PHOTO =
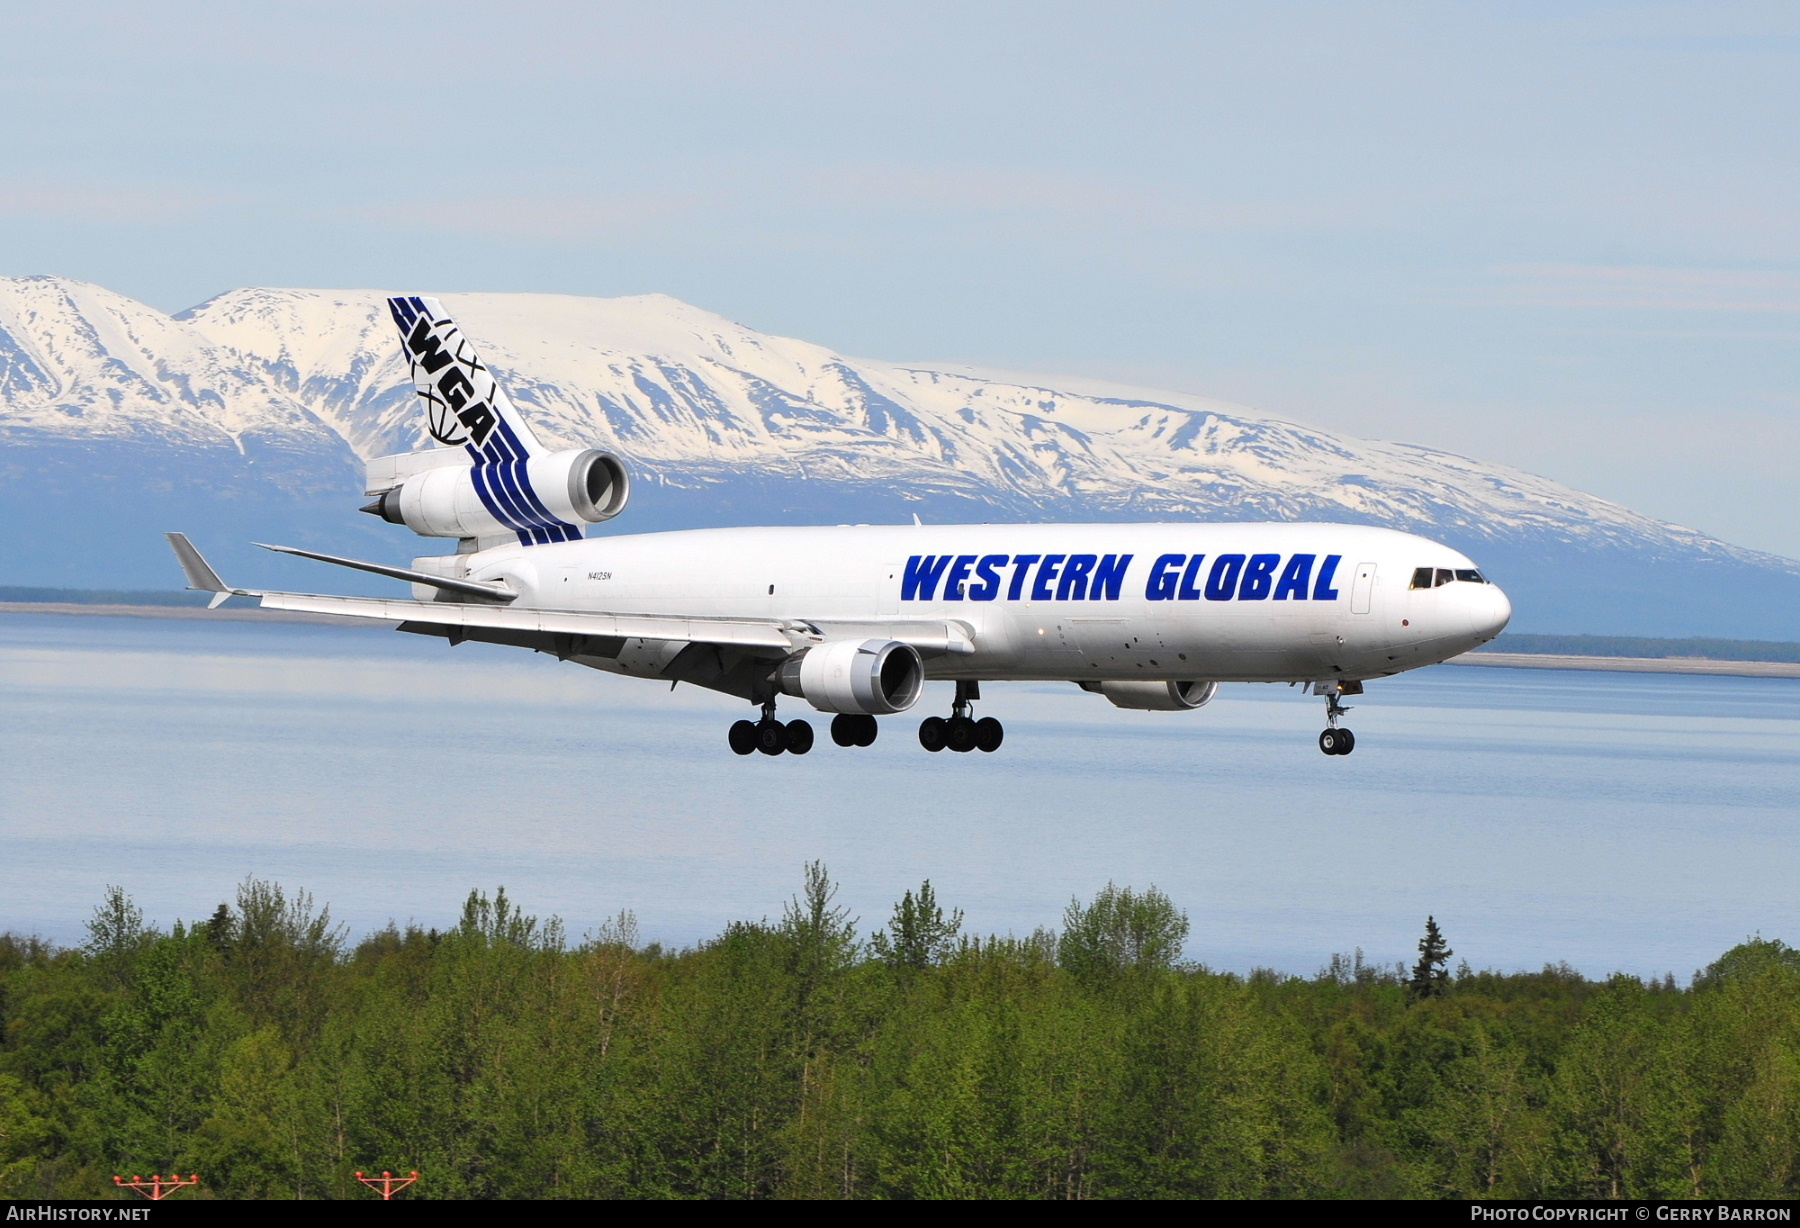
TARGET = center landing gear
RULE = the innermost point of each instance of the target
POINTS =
(962, 732)
(1335, 741)
(770, 736)
(851, 729)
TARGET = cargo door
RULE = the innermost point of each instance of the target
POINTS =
(1364, 591)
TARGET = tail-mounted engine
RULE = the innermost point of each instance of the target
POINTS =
(1155, 696)
(866, 677)
(541, 498)
(493, 477)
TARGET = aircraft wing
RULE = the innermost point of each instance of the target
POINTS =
(739, 633)
(781, 635)
(510, 624)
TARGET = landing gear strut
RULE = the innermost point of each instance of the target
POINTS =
(962, 732)
(1335, 741)
(770, 736)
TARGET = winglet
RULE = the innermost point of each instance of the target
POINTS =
(200, 575)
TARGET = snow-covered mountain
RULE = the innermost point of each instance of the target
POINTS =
(251, 411)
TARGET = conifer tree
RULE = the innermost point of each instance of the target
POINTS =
(919, 935)
(1431, 976)
(221, 927)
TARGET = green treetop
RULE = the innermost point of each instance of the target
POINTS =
(1431, 975)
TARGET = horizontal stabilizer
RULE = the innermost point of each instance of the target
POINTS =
(472, 588)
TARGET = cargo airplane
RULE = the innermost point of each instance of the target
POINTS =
(853, 620)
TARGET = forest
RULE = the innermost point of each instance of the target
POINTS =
(811, 1056)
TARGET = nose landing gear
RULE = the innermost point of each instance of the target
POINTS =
(1336, 741)
(770, 736)
(962, 733)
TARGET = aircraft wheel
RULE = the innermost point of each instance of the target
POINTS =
(959, 734)
(743, 737)
(932, 733)
(845, 730)
(1335, 741)
(989, 733)
(1349, 740)
(799, 737)
(867, 727)
(771, 736)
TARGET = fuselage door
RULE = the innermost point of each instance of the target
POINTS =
(1364, 592)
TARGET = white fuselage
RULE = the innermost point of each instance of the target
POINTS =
(1266, 603)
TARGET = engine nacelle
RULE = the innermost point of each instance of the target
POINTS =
(868, 677)
(566, 487)
(1155, 696)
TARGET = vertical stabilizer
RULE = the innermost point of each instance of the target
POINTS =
(464, 406)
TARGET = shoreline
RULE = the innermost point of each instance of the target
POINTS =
(1631, 665)
(235, 614)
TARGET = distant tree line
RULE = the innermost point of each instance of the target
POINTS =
(804, 1058)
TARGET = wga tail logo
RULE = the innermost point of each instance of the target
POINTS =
(459, 407)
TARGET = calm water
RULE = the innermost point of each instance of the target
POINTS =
(1642, 823)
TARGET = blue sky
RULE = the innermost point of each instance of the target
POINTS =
(1561, 236)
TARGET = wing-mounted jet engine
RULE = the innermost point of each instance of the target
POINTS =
(857, 677)
(491, 480)
(1155, 696)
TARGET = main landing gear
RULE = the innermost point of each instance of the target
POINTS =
(1335, 741)
(770, 736)
(962, 733)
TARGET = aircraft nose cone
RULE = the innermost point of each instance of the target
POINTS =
(1496, 612)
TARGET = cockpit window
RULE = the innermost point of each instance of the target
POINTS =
(1437, 577)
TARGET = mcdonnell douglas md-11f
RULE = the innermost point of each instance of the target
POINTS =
(854, 619)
